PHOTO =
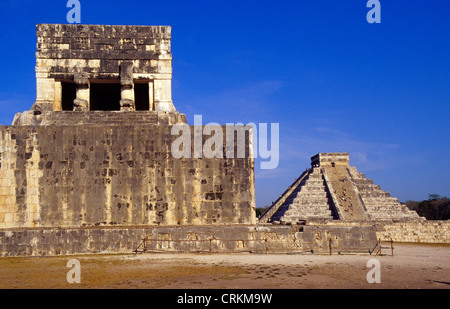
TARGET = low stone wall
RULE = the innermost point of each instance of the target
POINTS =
(230, 239)
(429, 231)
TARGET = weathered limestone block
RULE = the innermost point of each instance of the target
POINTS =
(420, 231)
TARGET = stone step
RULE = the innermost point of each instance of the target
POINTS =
(300, 200)
(381, 216)
(391, 214)
(318, 188)
(392, 209)
(308, 211)
(308, 207)
(310, 203)
(295, 219)
(368, 187)
(384, 202)
(371, 205)
(374, 194)
(389, 209)
(381, 199)
(311, 194)
(307, 214)
(322, 196)
(315, 177)
(314, 182)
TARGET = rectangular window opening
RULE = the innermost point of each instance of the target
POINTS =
(68, 94)
(141, 99)
(104, 97)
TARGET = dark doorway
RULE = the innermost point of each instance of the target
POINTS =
(141, 99)
(104, 97)
(68, 94)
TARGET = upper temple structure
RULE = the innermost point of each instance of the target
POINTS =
(101, 68)
(89, 68)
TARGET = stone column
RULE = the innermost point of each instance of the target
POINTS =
(58, 97)
(81, 102)
(163, 95)
(126, 91)
(44, 89)
(151, 103)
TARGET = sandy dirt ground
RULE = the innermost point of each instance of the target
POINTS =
(412, 266)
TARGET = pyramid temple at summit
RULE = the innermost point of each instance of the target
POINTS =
(333, 190)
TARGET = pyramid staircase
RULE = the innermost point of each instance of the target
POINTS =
(309, 200)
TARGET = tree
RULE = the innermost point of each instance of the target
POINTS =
(261, 210)
(434, 197)
(435, 208)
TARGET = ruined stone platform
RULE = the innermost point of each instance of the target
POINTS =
(257, 239)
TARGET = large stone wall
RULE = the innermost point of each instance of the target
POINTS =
(429, 231)
(116, 174)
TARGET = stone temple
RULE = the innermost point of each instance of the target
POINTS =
(333, 190)
(90, 169)
(95, 148)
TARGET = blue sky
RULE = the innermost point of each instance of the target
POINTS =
(330, 79)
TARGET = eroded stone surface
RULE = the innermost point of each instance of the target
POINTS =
(116, 174)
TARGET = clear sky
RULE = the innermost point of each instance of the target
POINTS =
(330, 79)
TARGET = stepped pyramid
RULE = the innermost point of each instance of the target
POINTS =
(333, 190)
